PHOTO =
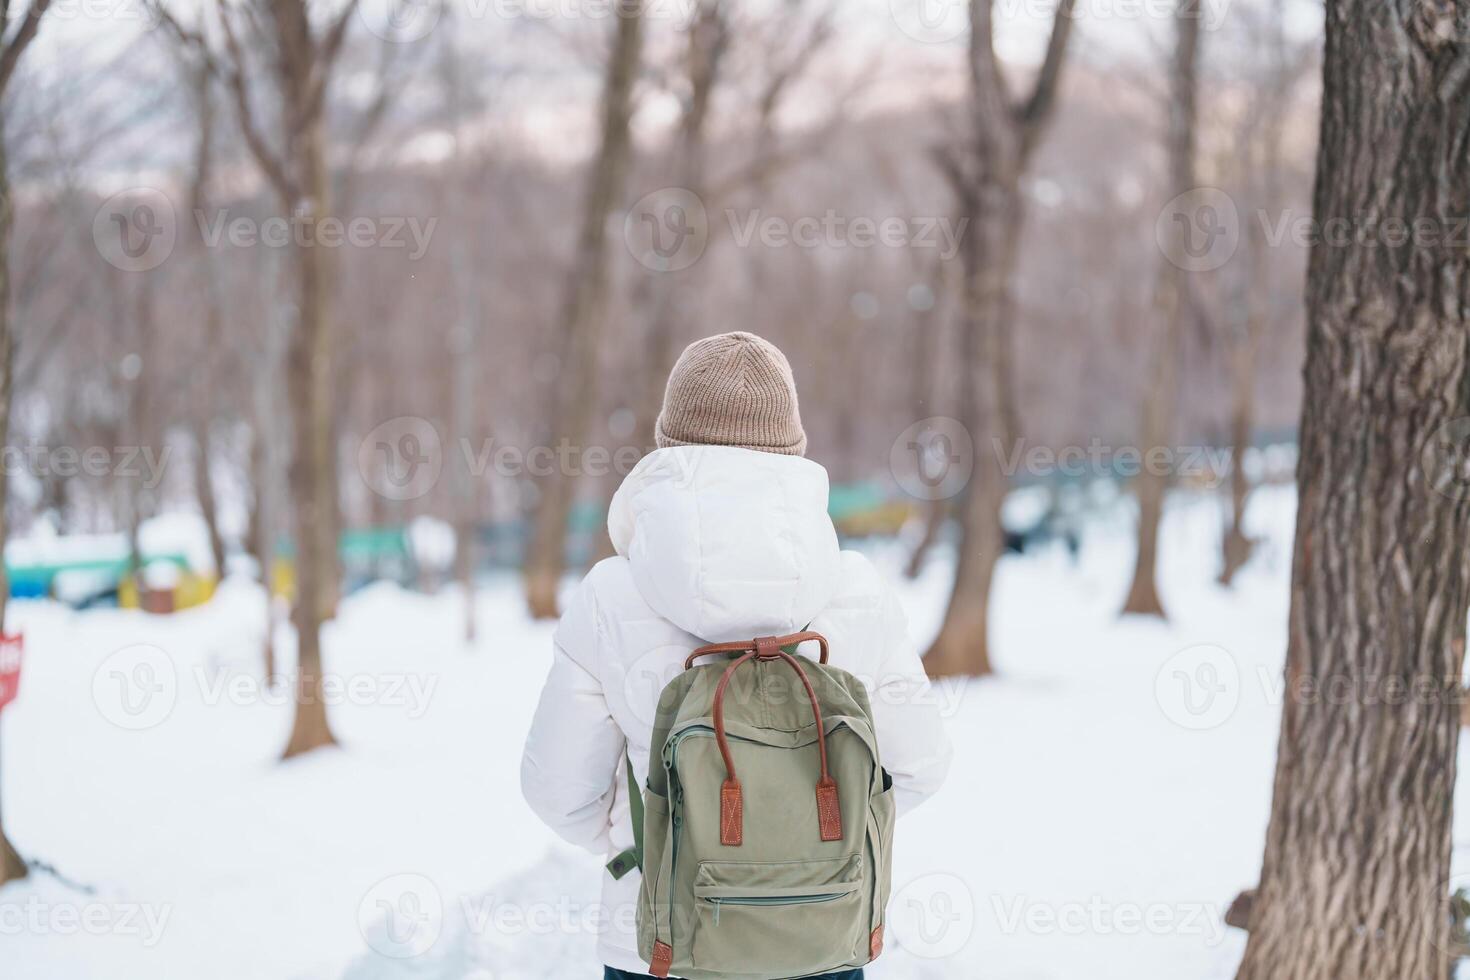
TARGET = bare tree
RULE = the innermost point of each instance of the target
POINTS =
(302, 56)
(1261, 157)
(1173, 305)
(708, 40)
(929, 357)
(16, 38)
(268, 435)
(1354, 883)
(201, 82)
(984, 170)
(583, 315)
(464, 344)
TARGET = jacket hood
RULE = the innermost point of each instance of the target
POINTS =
(726, 543)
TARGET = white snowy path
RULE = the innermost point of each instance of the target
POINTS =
(1087, 829)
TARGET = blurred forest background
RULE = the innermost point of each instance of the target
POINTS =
(499, 159)
(368, 305)
(390, 289)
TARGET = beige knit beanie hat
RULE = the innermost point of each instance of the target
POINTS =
(732, 389)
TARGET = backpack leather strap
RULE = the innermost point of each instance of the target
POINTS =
(732, 803)
(787, 643)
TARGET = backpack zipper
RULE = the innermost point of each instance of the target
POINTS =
(758, 900)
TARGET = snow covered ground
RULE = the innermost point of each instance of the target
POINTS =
(1109, 795)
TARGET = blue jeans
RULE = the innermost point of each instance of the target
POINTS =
(608, 973)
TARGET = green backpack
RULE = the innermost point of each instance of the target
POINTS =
(765, 832)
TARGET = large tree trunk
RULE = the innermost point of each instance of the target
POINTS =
(1357, 861)
(583, 317)
(985, 176)
(963, 643)
(1172, 307)
(11, 865)
(309, 365)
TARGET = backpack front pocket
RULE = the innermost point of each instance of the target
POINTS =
(786, 919)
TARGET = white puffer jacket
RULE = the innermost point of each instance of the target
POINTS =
(713, 544)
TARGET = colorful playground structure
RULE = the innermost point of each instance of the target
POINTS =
(173, 569)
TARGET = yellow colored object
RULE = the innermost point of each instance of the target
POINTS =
(192, 590)
(283, 579)
(884, 519)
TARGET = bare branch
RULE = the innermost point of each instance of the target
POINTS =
(188, 38)
(20, 40)
(325, 56)
(331, 43)
(274, 171)
(1037, 107)
(204, 149)
(781, 79)
(951, 163)
(369, 121)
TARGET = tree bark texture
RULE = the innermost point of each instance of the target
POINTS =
(1355, 879)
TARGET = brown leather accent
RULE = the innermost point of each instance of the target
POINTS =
(732, 805)
(749, 646)
(663, 958)
(875, 944)
(829, 810)
(719, 716)
(732, 814)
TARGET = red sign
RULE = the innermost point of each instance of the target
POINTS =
(11, 647)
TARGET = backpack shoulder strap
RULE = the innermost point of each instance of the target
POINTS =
(633, 856)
